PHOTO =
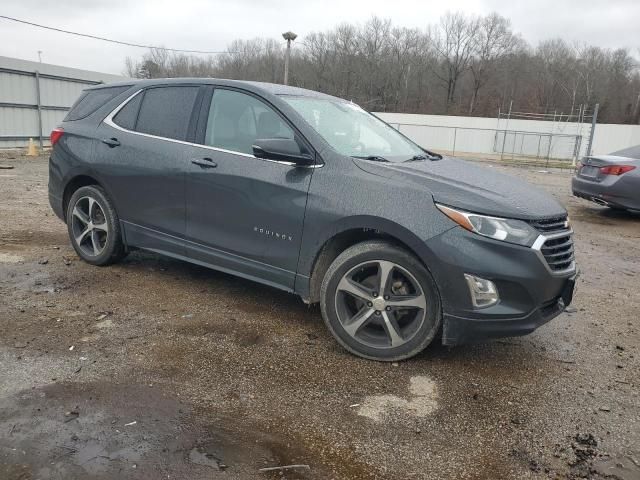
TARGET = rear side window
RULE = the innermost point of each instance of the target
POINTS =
(91, 100)
(166, 111)
(127, 116)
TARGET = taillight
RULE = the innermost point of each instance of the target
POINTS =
(56, 134)
(616, 169)
(578, 166)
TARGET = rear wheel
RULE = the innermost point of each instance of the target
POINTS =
(380, 302)
(94, 228)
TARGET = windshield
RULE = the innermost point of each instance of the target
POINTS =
(352, 131)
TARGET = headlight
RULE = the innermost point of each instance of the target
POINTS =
(505, 229)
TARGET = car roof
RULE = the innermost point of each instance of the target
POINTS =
(257, 87)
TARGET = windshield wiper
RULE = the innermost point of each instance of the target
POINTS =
(375, 158)
(428, 156)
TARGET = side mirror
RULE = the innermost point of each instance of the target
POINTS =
(281, 149)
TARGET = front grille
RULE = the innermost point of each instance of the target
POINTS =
(557, 250)
(550, 224)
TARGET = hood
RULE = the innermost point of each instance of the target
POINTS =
(471, 187)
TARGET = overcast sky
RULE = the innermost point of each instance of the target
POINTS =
(211, 25)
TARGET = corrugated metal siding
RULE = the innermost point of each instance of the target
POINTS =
(17, 121)
(17, 88)
(59, 93)
(50, 120)
(59, 87)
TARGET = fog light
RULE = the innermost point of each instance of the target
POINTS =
(484, 293)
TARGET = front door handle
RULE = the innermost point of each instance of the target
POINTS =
(111, 142)
(204, 162)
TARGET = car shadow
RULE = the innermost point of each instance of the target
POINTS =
(603, 215)
(252, 298)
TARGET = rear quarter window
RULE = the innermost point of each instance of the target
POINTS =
(126, 118)
(91, 100)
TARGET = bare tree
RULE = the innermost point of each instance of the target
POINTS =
(454, 40)
(494, 40)
(476, 62)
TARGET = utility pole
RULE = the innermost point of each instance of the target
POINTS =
(289, 37)
(40, 56)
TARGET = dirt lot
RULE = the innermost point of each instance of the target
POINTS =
(154, 369)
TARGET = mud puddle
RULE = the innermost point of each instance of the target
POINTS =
(108, 430)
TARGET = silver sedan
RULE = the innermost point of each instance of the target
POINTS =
(611, 180)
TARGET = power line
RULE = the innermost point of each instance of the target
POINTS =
(119, 42)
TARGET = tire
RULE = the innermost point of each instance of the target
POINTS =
(92, 218)
(406, 315)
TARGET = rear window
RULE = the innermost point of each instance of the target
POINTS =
(166, 111)
(91, 100)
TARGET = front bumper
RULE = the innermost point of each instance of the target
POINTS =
(459, 330)
(530, 293)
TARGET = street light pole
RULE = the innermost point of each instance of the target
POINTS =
(289, 37)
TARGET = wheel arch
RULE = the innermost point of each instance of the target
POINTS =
(351, 232)
(76, 182)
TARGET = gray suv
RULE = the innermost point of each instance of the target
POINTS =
(310, 194)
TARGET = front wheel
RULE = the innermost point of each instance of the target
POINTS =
(380, 302)
(94, 228)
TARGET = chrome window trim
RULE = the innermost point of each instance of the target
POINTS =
(109, 121)
(537, 247)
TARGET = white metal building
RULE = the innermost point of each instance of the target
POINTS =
(34, 97)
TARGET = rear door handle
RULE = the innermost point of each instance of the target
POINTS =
(111, 142)
(204, 162)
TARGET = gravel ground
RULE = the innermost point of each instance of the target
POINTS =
(154, 368)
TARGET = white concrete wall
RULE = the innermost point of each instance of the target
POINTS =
(478, 134)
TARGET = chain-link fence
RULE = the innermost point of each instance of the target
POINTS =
(538, 146)
(517, 136)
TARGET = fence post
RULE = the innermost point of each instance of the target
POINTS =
(594, 118)
(504, 137)
(455, 134)
(39, 104)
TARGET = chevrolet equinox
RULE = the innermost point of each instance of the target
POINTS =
(311, 194)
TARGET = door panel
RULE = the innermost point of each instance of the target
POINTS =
(146, 178)
(146, 174)
(245, 213)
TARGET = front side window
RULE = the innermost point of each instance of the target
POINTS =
(166, 111)
(352, 131)
(236, 120)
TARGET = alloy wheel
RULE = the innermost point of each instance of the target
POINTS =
(89, 226)
(380, 304)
